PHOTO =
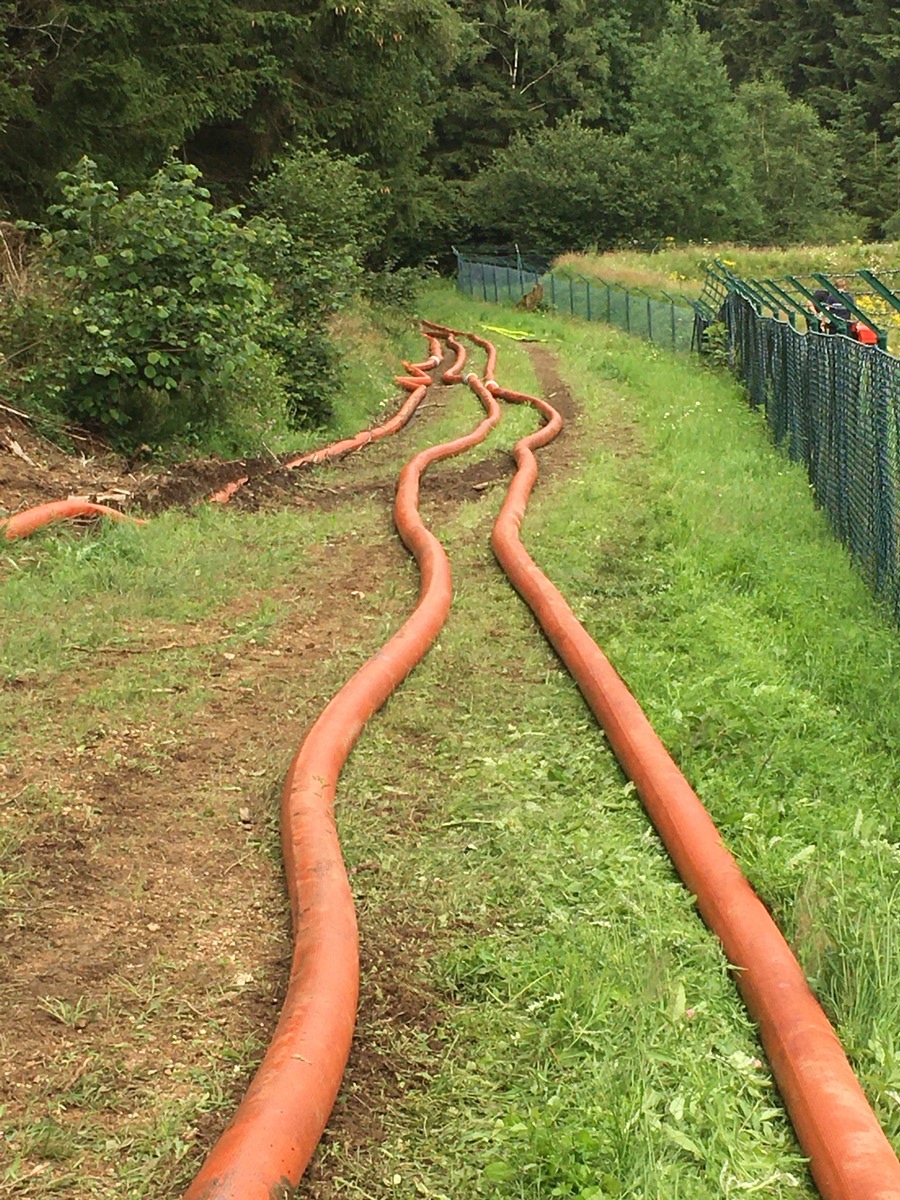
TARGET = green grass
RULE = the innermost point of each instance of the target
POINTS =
(683, 268)
(547, 1015)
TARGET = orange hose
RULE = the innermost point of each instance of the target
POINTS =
(447, 333)
(24, 523)
(453, 374)
(348, 445)
(850, 1157)
(397, 421)
(418, 377)
(280, 1120)
(223, 495)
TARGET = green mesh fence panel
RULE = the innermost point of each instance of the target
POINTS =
(503, 281)
(834, 405)
(831, 402)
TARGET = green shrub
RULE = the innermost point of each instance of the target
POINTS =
(396, 288)
(148, 310)
(157, 318)
(316, 221)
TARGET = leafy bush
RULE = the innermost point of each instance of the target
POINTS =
(316, 220)
(151, 311)
(149, 307)
(565, 186)
(397, 289)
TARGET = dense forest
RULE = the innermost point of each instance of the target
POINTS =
(739, 118)
(324, 144)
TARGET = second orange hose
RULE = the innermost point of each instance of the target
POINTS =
(849, 1155)
(280, 1120)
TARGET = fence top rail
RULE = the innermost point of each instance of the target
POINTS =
(869, 306)
(862, 282)
(845, 338)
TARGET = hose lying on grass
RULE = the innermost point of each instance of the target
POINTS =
(418, 375)
(280, 1120)
(269, 1142)
(266, 1148)
(850, 1157)
(31, 519)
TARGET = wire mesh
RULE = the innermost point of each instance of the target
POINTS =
(499, 279)
(834, 404)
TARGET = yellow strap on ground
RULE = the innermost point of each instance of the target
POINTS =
(518, 335)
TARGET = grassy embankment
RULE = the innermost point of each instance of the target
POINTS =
(682, 268)
(550, 1016)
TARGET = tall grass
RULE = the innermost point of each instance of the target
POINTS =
(682, 269)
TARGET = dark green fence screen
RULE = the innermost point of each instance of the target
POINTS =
(834, 404)
(667, 322)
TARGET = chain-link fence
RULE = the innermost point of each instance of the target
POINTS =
(834, 404)
(667, 321)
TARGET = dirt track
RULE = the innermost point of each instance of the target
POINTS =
(136, 887)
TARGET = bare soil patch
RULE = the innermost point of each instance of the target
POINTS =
(34, 470)
(150, 938)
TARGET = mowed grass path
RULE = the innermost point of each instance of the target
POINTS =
(544, 1015)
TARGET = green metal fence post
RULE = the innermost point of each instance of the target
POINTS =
(769, 299)
(587, 292)
(789, 303)
(571, 295)
(649, 320)
(628, 311)
(749, 292)
(884, 292)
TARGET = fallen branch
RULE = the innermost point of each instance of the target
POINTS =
(16, 413)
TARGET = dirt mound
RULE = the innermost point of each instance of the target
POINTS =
(33, 470)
